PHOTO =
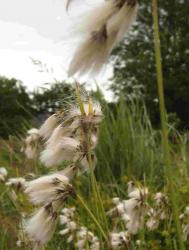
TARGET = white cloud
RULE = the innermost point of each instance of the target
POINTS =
(40, 30)
(18, 45)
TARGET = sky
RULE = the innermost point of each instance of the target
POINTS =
(41, 30)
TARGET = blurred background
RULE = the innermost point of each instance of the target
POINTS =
(38, 39)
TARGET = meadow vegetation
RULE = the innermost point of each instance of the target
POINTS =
(129, 149)
(113, 181)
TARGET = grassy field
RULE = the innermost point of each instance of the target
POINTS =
(137, 197)
(129, 149)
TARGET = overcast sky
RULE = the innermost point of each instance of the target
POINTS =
(42, 30)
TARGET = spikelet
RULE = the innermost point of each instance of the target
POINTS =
(136, 209)
(3, 174)
(67, 149)
(47, 188)
(60, 132)
(48, 126)
(18, 183)
(120, 240)
(103, 33)
(31, 143)
(55, 136)
(41, 226)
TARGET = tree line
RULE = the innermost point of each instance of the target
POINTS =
(20, 108)
(133, 60)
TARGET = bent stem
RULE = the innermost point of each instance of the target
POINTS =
(92, 217)
(165, 141)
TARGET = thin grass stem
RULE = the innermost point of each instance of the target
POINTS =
(80, 199)
(163, 116)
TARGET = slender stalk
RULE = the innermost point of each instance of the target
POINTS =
(4, 234)
(96, 191)
(97, 197)
(93, 185)
(165, 141)
(92, 217)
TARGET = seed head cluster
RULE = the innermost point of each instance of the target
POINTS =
(68, 137)
(79, 235)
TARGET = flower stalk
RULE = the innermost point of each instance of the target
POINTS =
(163, 116)
(81, 201)
(96, 194)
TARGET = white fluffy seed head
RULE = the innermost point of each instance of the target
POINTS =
(95, 244)
(19, 183)
(31, 143)
(30, 152)
(45, 189)
(185, 229)
(64, 231)
(186, 210)
(55, 136)
(64, 219)
(48, 126)
(119, 240)
(81, 244)
(138, 193)
(152, 223)
(67, 149)
(130, 187)
(108, 26)
(41, 226)
(72, 225)
(3, 173)
(33, 131)
(135, 208)
(116, 200)
(121, 207)
(60, 132)
(70, 238)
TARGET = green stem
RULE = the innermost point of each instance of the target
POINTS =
(165, 141)
(92, 217)
(96, 191)
(97, 197)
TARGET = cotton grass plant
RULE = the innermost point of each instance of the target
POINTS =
(62, 205)
(68, 137)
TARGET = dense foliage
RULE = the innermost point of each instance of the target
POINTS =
(19, 108)
(15, 107)
(51, 98)
(133, 60)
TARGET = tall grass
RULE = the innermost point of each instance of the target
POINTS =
(128, 145)
(128, 149)
(165, 142)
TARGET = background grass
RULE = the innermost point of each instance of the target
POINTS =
(128, 149)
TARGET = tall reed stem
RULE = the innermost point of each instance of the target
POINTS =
(163, 116)
(92, 217)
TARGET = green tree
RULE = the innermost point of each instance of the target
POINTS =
(52, 97)
(15, 107)
(133, 60)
